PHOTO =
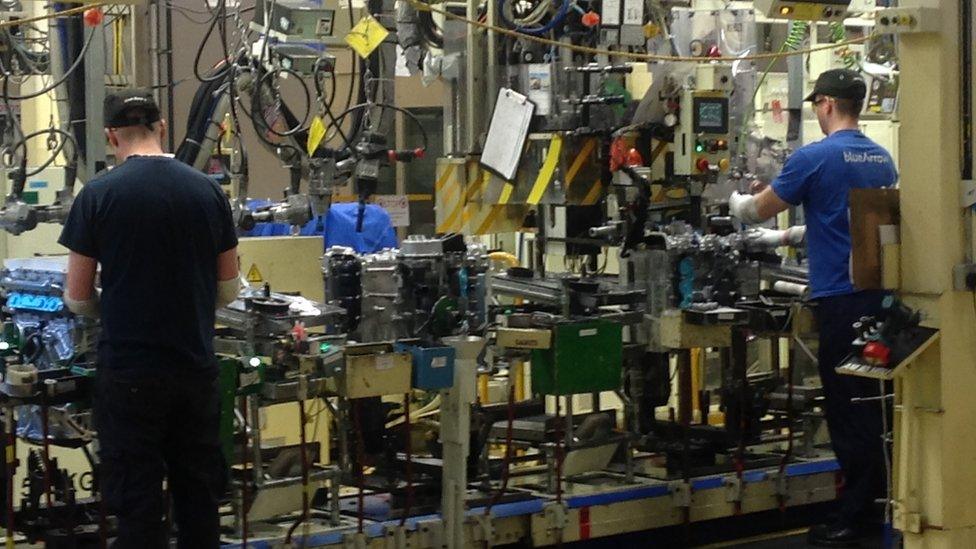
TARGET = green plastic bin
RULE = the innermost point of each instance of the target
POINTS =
(585, 357)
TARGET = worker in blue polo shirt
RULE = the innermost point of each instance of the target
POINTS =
(819, 177)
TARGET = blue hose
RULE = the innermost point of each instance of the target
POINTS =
(556, 19)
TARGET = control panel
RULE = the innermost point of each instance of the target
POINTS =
(907, 20)
(702, 139)
(825, 10)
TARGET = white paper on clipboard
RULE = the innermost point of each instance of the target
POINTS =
(507, 133)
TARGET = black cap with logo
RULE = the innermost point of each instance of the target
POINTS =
(839, 83)
(131, 107)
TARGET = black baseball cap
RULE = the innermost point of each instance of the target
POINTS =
(839, 83)
(130, 107)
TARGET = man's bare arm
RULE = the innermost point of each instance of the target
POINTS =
(79, 291)
(228, 277)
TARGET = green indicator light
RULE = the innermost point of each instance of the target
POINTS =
(699, 148)
(324, 347)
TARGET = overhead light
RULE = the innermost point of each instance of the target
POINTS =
(785, 10)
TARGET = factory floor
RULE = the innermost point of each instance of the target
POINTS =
(789, 539)
(769, 530)
(793, 539)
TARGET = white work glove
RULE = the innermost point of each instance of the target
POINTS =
(795, 236)
(89, 307)
(743, 207)
(773, 238)
(227, 292)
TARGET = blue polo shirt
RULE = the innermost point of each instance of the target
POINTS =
(819, 177)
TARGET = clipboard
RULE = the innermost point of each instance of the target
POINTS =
(507, 133)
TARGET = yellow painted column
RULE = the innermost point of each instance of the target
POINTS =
(935, 442)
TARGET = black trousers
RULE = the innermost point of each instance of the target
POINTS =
(152, 426)
(855, 428)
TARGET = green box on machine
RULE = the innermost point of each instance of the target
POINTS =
(585, 357)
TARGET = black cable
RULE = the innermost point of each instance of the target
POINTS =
(201, 110)
(36, 62)
(64, 77)
(72, 32)
(257, 106)
(507, 458)
(431, 34)
(316, 70)
(203, 43)
(355, 67)
(267, 24)
(256, 125)
(232, 86)
(65, 137)
(409, 114)
(47, 131)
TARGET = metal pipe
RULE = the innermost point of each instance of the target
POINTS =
(334, 510)
(245, 492)
(409, 466)
(94, 97)
(303, 518)
(472, 70)
(11, 460)
(170, 80)
(252, 403)
(46, 445)
(569, 421)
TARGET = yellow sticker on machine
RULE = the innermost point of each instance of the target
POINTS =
(548, 169)
(316, 131)
(253, 274)
(366, 36)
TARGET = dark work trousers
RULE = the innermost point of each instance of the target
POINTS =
(855, 427)
(152, 426)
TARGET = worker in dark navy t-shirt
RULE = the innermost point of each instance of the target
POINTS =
(164, 238)
(820, 177)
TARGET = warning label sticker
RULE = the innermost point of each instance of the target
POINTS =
(253, 274)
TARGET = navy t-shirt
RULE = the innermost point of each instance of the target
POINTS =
(820, 176)
(156, 227)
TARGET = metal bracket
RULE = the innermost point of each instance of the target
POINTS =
(354, 540)
(431, 533)
(680, 493)
(961, 276)
(968, 193)
(396, 537)
(733, 490)
(556, 516)
(485, 532)
(783, 486)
